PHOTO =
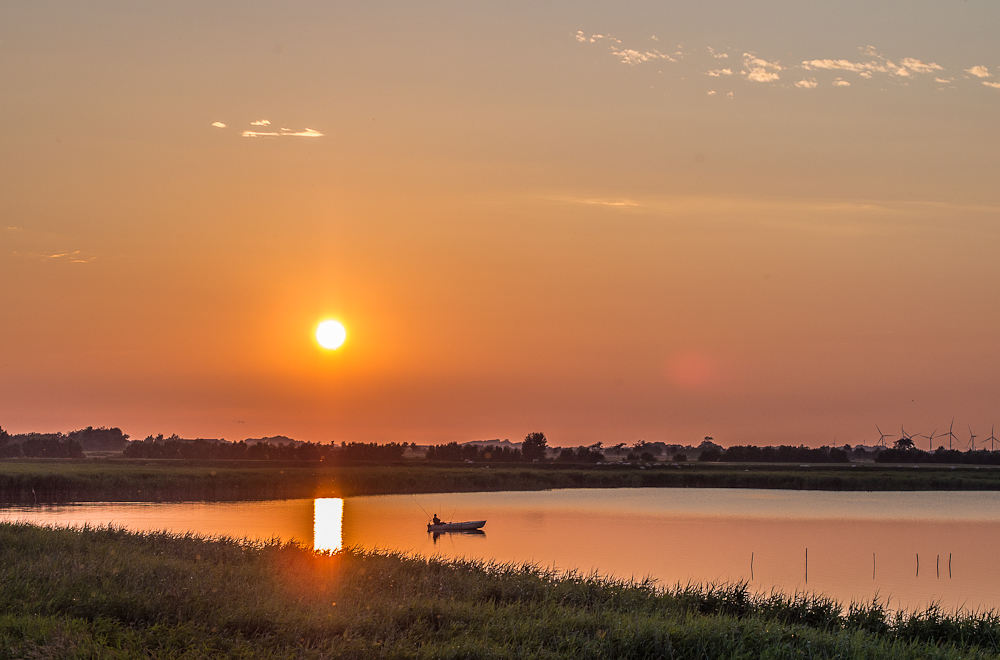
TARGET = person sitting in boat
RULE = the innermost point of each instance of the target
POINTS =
(436, 520)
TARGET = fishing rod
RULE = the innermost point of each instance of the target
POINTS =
(421, 508)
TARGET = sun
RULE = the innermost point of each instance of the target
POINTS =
(331, 334)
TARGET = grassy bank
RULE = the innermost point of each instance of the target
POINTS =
(27, 481)
(114, 594)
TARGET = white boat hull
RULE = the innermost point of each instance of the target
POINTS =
(455, 526)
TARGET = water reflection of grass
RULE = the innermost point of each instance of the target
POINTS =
(115, 594)
(129, 481)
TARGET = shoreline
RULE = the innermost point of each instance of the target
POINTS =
(52, 481)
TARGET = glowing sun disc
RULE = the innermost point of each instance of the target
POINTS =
(331, 334)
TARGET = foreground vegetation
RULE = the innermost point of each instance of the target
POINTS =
(115, 594)
(41, 481)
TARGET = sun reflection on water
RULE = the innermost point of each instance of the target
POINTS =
(328, 524)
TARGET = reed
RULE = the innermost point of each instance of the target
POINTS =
(106, 592)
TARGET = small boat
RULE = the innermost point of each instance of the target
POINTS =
(455, 526)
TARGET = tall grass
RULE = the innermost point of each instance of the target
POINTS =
(106, 592)
(40, 481)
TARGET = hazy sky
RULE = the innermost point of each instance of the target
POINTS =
(765, 222)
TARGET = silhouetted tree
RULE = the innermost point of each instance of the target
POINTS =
(710, 454)
(100, 439)
(591, 454)
(534, 446)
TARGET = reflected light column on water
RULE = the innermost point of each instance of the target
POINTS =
(328, 524)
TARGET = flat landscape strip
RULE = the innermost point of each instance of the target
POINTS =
(109, 593)
(96, 480)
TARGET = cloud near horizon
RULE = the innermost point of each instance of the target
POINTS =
(284, 132)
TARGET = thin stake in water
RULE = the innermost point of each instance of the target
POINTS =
(751, 565)
(918, 564)
(949, 565)
(807, 565)
(939, 566)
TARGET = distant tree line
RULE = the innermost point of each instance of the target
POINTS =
(39, 445)
(779, 454)
(456, 453)
(533, 448)
(174, 447)
(909, 454)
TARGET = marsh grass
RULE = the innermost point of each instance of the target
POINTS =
(116, 480)
(109, 593)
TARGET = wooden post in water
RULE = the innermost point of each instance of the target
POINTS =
(939, 567)
(949, 565)
(807, 565)
(918, 564)
(751, 565)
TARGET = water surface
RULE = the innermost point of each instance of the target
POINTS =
(858, 544)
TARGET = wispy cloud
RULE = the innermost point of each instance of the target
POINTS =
(994, 85)
(272, 133)
(597, 201)
(630, 56)
(757, 69)
(920, 67)
(869, 65)
(846, 65)
(69, 257)
(284, 132)
(879, 64)
(309, 132)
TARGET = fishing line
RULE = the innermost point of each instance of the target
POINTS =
(418, 504)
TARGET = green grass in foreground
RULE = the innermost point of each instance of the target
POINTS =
(56, 480)
(109, 593)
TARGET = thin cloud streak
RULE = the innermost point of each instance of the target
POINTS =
(69, 257)
(284, 132)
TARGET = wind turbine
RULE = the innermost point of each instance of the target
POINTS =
(930, 440)
(882, 436)
(972, 439)
(992, 439)
(951, 436)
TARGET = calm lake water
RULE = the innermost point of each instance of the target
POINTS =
(673, 535)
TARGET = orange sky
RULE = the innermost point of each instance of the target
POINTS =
(528, 217)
